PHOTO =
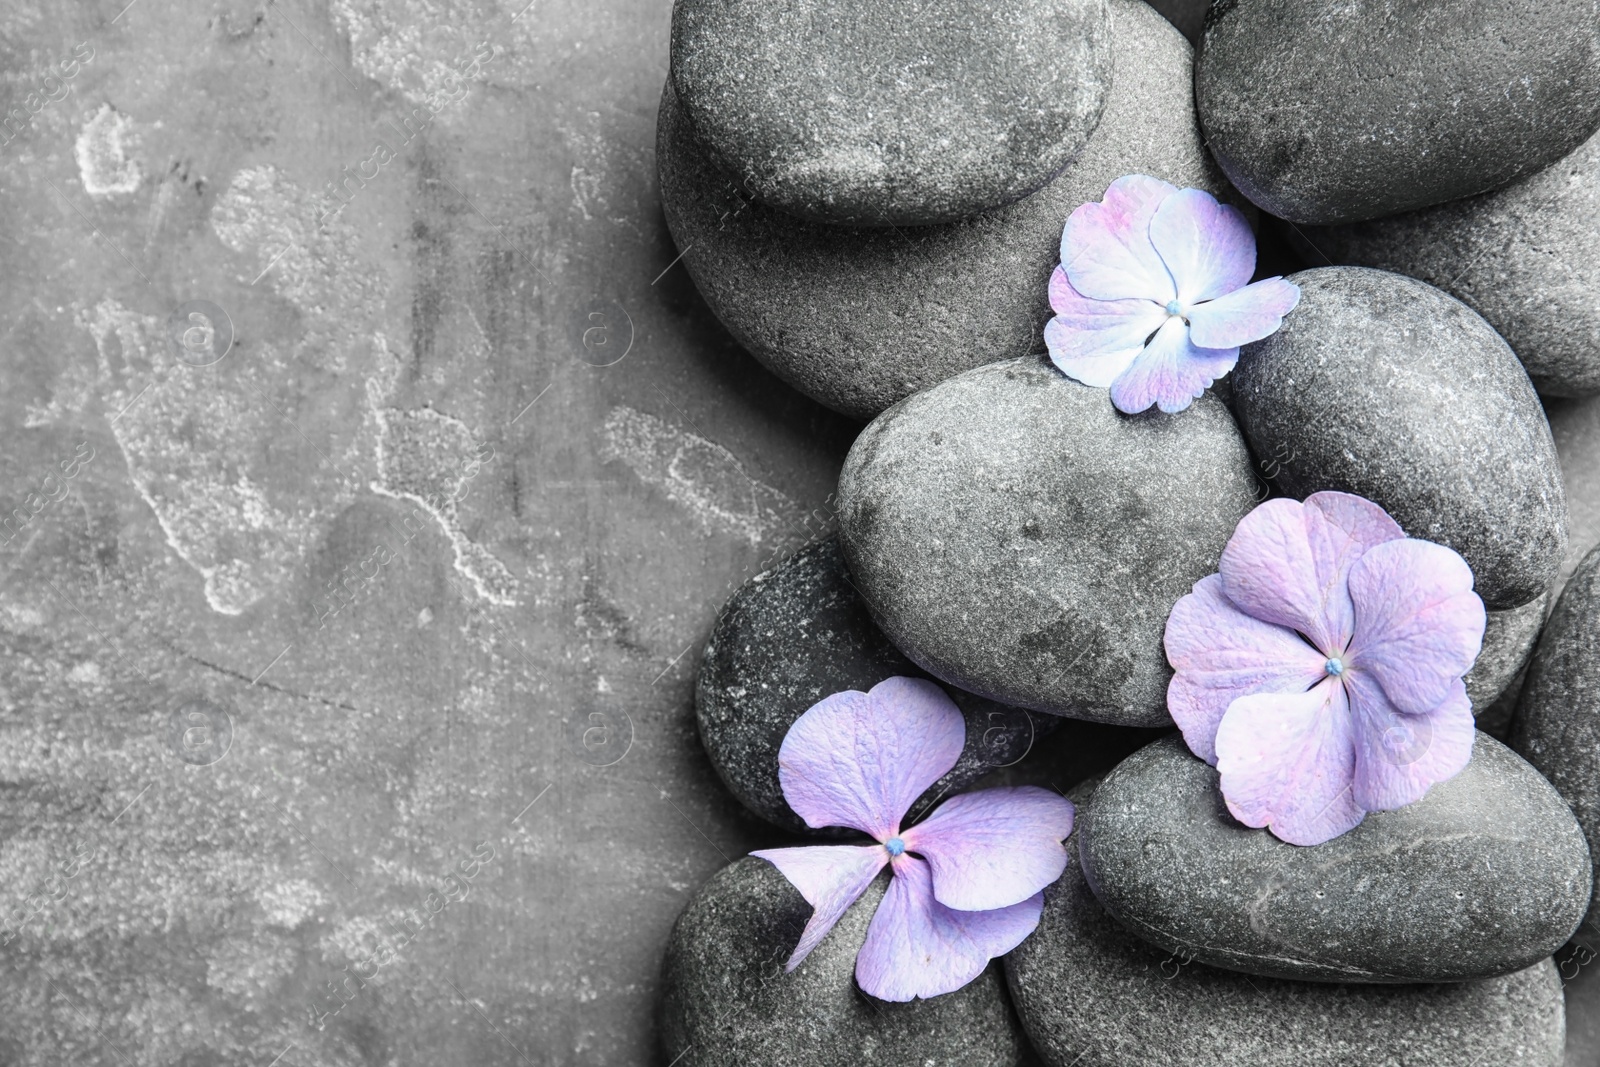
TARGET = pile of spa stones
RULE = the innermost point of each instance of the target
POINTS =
(870, 197)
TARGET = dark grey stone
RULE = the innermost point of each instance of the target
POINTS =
(727, 997)
(1575, 425)
(893, 113)
(1188, 16)
(1579, 968)
(1485, 875)
(1018, 537)
(1524, 256)
(1557, 726)
(1091, 994)
(1327, 111)
(1386, 387)
(1508, 641)
(795, 634)
(857, 319)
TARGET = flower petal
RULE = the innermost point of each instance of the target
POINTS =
(860, 759)
(917, 947)
(1093, 341)
(1170, 372)
(1244, 315)
(1419, 625)
(830, 877)
(1287, 760)
(1221, 654)
(1106, 249)
(1289, 563)
(1399, 756)
(995, 847)
(1208, 247)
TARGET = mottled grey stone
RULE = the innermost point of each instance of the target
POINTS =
(1188, 16)
(1328, 111)
(1508, 641)
(1526, 257)
(1485, 875)
(1383, 386)
(893, 113)
(795, 634)
(727, 997)
(1557, 725)
(857, 319)
(1018, 537)
(1575, 425)
(1579, 968)
(1091, 994)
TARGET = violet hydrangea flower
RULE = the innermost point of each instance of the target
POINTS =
(1151, 297)
(967, 880)
(1321, 670)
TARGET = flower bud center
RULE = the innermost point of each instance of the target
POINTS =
(1174, 308)
(895, 846)
(1334, 666)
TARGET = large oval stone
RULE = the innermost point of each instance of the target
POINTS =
(1557, 725)
(1526, 257)
(1328, 111)
(1091, 994)
(727, 998)
(1383, 386)
(1018, 537)
(795, 634)
(1575, 425)
(896, 112)
(858, 318)
(1483, 876)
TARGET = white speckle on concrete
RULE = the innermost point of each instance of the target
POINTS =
(105, 152)
(290, 903)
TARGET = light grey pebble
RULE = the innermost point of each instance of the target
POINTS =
(1508, 641)
(1575, 425)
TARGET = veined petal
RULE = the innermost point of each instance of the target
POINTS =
(917, 947)
(1289, 563)
(1287, 760)
(860, 759)
(995, 847)
(831, 878)
(1399, 756)
(1093, 341)
(1208, 247)
(1106, 249)
(1170, 373)
(1243, 315)
(1419, 625)
(1221, 654)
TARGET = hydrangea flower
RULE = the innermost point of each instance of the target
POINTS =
(967, 880)
(1151, 296)
(1321, 671)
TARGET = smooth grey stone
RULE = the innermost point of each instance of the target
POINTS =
(1526, 257)
(1018, 537)
(1330, 111)
(726, 995)
(795, 634)
(1091, 994)
(1579, 968)
(1557, 725)
(896, 112)
(1575, 425)
(1485, 875)
(1188, 16)
(1383, 386)
(1508, 641)
(857, 319)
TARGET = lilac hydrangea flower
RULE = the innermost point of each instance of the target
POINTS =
(1151, 296)
(967, 880)
(1321, 671)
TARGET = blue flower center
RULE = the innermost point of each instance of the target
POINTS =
(895, 846)
(1174, 308)
(1334, 666)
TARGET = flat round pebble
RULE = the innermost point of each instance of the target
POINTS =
(1508, 640)
(1331, 111)
(857, 319)
(1557, 725)
(896, 112)
(727, 998)
(1091, 994)
(798, 633)
(1019, 538)
(1485, 875)
(1526, 257)
(1383, 386)
(1575, 425)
